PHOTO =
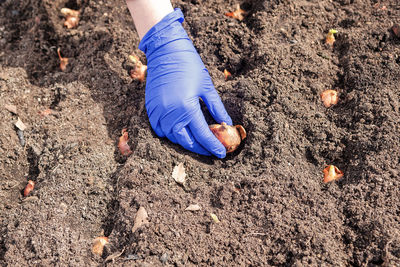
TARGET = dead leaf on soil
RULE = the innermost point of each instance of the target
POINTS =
(123, 146)
(193, 207)
(140, 219)
(332, 173)
(11, 108)
(20, 125)
(179, 174)
(98, 245)
(63, 60)
(215, 218)
(237, 14)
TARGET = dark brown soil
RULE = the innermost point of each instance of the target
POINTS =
(269, 196)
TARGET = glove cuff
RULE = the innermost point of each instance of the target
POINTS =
(167, 30)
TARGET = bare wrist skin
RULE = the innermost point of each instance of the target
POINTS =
(147, 13)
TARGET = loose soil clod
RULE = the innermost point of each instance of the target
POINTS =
(396, 30)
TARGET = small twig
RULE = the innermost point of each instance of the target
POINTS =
(114, 256)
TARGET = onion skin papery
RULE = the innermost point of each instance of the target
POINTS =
(229, 136)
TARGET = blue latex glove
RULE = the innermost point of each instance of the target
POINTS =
(176, 79)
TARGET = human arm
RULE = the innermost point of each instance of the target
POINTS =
(176, 79)
(147, 13)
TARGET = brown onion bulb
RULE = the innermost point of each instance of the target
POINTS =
(329, 98)
(63, 60)
(229, 136)
(98, 245)
(29, 187)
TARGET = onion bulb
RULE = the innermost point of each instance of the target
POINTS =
(229, 136)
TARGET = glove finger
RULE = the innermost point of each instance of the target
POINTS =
(154, 115)
(214, 103)
(157, 129)
(172, 138)
(202, 133)
(185, 138)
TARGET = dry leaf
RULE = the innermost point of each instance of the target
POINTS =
(11, 108)
(63, 60)
(215, 218)
(179, 174)
(330, 38)
(123, 144)
(193, 207)
(98, 245)
(227, 74)
(237, 14)
(140, 219)
(332, 173)
(329, 98)
(20, 125)
(21, 137)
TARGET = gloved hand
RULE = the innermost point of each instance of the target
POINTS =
(176, 79)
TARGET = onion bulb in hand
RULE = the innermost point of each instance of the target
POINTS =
(229, 136)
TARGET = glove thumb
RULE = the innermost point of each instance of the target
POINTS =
(214, 103)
